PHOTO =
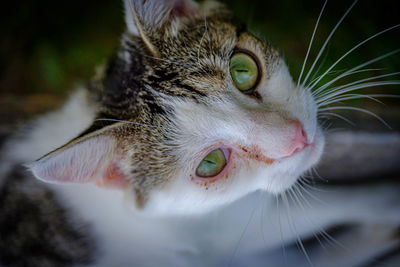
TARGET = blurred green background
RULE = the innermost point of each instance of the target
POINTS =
(48, 47)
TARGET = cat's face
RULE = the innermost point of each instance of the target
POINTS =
(211, 114)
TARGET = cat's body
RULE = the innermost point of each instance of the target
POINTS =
(141, 127)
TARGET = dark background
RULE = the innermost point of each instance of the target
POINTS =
(49, 47)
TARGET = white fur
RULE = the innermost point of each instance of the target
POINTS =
(251, 230)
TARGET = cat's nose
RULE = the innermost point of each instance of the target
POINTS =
(299, 141)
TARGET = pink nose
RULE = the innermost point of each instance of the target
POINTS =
(299, 141)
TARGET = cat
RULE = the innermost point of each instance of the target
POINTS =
(179, 153)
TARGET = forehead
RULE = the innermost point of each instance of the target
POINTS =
(211, 35)
(199, 51)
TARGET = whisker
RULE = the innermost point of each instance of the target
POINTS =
(357, 72)
(328, 238)
(314, 79)
(311, 42)
(262, 218)
(341, 98)
(366, 70)
(350, 51)
(341, 91)
(327, 41)
(292, 226)
(243, 233)
(358, 109)
(338, 116)
(326, 125)
(297, 195)
(315, 75)
(320, 95)
(280, 228)
(355, 69)
(372, 97)
(316, 189)
(315, 171)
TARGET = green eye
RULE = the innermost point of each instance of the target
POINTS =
(244, 71)
(212, 164)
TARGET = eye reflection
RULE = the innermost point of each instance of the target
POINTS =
(212, 164)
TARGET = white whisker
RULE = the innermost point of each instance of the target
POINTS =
(315, 75)
(243, 233)
(314, 79)
(297, 195)
(372, 97)
(315, 171)
(356, 87)
(331, 240)
(358, 109)
(303, 183)
(327, 41)
(341, 98)
(338, 116)
(319, 96)
(311, 42)
(316, 92)
(328, 238)
(262, 218)
(294, 230)
(350, 51)
(280, 227)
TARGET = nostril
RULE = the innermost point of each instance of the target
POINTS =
(304, 137)
(303, 133)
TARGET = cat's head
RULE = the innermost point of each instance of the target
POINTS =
(209, 113)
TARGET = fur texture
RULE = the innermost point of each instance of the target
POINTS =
(121, 158)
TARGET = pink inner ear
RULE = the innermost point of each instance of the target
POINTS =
(184, 8)
(113, 177)
(94, 160)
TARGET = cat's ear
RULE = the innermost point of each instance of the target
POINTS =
(144, 14)
(95, 159)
